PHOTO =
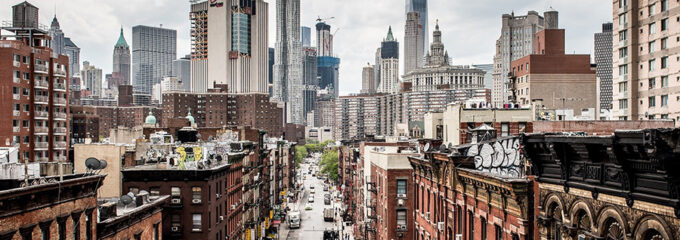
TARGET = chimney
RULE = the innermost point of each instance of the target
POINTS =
(108, 210)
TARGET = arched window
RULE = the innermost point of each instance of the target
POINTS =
(556, 214)
(652, 234)
(582, 221)
(613, 230)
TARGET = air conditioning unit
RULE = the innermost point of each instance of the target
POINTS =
(221, 218)
(175, 201)
(233, 206)
(217, 195)
(401, 195)
(440, 226)
(196, 201)
(400, 202)
(427, 216)
(174, 229)
(459, 236)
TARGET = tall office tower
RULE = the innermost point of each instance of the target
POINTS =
(57, 43)
(73, 52)
(376, 68)
(389, 64)
(309, 78)
(272, 57)
(368, 79)
(121, 60)
(646, 54)
(288, 60)
(306, 36)
(92, 79)
(420, 6)
(516, 41)
(199, 46)
(603, 61)
(328, 74)
(153, 49)
(238, 52)
(413, 47)
(324, 40)
(33, 92)
(181, 68)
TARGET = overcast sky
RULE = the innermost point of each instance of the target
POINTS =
(469, 28)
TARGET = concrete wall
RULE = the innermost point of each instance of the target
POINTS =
(111, 186)
(598, 127)
(431, 121)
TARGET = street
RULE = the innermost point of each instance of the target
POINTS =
(312, 224)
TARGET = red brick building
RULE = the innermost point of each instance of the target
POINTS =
(141, 219)
(109, 118)
(49, 208)
(459, 193)
(33, 93)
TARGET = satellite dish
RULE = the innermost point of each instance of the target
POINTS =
(450, 145)
(442, 147)
(103, 164)
(427, 147)
(142, 192)
(131, 194)
(125, 200)
(93, 163)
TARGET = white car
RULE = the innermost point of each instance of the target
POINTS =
(310, 199)
(312, 191)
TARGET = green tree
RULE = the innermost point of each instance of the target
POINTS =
(300, 154)
(329, 163)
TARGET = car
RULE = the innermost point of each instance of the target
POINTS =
(311, 187)
(327, 201)
(312, 191)
(310, 199)
(325, 188)
(308, 207)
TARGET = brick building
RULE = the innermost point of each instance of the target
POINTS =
(462, 192)
(622, 186)
(562, 81)
(109, 118)
(35, 102)
(49, 208)
(141, 219)
(84, 123)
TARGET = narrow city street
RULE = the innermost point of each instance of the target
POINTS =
(312, 225)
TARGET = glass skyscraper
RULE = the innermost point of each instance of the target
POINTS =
(420, 6)
(153, 50)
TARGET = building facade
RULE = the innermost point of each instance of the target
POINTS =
(92, 79)
(603, 60)
(328, 70)
(645, 34)
(420, 7)
(198, 16)
(57, 42)
(73, 52)
(121, 61)
(368, 84)
(324, 40)
(516, 41)
(389, 65)
(181, 68)
(310, 82)
(288, 64)
(413, 45)
(306, 37)
(153, 49)
(238, 52)
(35, 96)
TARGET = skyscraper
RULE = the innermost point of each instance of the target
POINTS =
(420, 6)
(199, 46)
(121, 60)
(516, 41)
(603, 61)
(288, 60)
(181, 68)
(646, 55)
(389, 64)
(328, 72)
(413, 46)
(368, 79)
(57, 44)
(238, 51)
(309, 78)
(306, 36)
(153, 49)
(73, 52)
(324, 40)
(92, 79)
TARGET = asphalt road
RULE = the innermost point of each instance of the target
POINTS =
(312, 224)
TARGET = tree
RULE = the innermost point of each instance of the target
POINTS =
(329, 163)
(300, 153)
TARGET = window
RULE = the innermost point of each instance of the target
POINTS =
(154, 192)
(175, 191)
(401, 219)
(623, 104)
(401, 186)
(664, 62)
(138, 236)
(651, 46)
(664, 5)
(175, 220)
(664, 81)
(45, 231)
(522, 127)
(471, 225)
(664, 100)
(664, 116)
(652, 28)
(499, 232)
(664, 24)
(623, 3)
(88, 226)
(623, 69)
(156, 231)
(196, 194)
(623, 35)
(664, 43)
(652, 65)
(483, 226)
(76, 228)
(505, 129)
(623, 52)
(196, 222)
(652, 83)
(623, 87)
(652, 102)
(62, 229)
(623, 20)
(652, 9)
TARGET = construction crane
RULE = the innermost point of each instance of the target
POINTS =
(319, 19)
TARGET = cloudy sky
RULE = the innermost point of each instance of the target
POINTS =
(469, 28)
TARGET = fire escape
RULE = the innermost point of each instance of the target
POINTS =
(372, 214)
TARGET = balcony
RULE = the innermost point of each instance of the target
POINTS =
(17, 80)
(59, 130)
(59, 72)
(60, 101)
(16, 113)
(42, 159)
(41, 84)
(41, 145)
(60, 158)
(17, 64)
(59, 115)
(60, 144)
(59, 87)
(41, 114)
(41, 130)
(39, 68)
(41, 99)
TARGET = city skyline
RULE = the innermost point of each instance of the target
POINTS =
(359, 32)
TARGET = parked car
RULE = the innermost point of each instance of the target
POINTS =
(308, 207)
(328, 214)
(312, 191)
(310, 199)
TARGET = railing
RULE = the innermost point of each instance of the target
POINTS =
(60, 130)
(40, 68)
(61, 158)
(41, 129)
(59, 115)
(60, 144)
(41, 99)
(41, 145)
(41, 159)
(60, 72)
(59, 86)
(60, 101)
(41, 114)
(41, 83)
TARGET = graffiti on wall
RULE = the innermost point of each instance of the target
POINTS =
(501, 157)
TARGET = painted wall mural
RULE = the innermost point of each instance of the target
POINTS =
(501, 157)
